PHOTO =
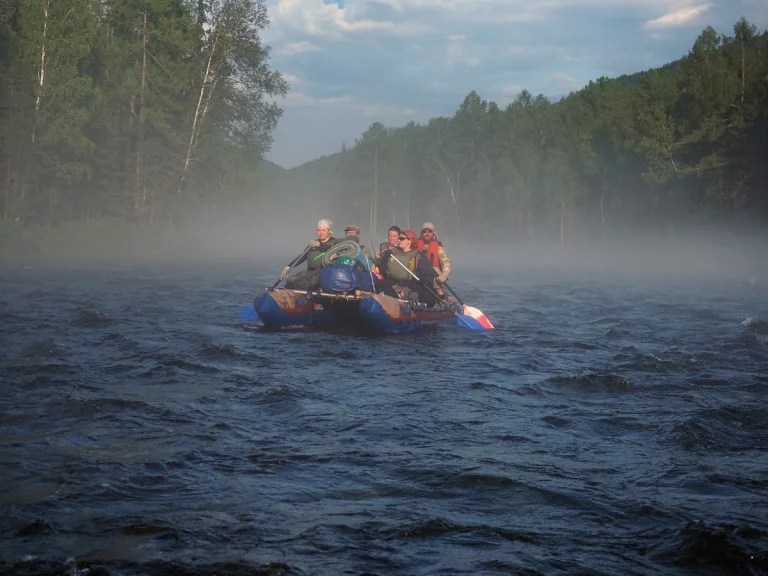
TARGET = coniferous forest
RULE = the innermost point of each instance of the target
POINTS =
(146, 113)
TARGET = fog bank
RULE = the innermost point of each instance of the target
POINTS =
(273, 239)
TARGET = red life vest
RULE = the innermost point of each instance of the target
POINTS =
(431, 250)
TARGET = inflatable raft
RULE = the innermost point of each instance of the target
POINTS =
(284, 308)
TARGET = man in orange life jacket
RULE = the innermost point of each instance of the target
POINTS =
(435, 253)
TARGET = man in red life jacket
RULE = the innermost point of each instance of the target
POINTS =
(435, 253)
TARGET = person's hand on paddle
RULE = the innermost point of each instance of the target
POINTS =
(284, 273)
(441, 279)
(313, 244)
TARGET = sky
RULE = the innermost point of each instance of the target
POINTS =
(350, 63)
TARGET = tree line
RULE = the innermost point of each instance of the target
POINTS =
(141, 110)
(675, 146)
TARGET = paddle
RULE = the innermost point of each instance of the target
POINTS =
(471, 312)
(464, 320)
(248, 312)
(291, 264)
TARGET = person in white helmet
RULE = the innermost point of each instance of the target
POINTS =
(308, 279)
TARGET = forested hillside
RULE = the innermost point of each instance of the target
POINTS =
(157, 113)
(683, 145)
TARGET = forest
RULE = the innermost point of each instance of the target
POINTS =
(127, 112)
(127, 115)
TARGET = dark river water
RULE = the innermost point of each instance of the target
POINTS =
(607, 426)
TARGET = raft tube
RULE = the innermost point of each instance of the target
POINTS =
(288, 309)
(382, 313)
(282, 308)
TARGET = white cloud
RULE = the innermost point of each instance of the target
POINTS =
(385, 110)
(512, 89)
(564, 82)
(320, 19)
(296, 98)
(297, 48)
(679, 17)
(394, 4)
(291, 79)
(459, 51)
(523, 51)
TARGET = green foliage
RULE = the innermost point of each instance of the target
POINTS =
(130, 109)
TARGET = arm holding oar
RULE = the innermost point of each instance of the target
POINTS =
(465, 320)
(295, 262)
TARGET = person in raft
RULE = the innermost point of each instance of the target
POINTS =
(438, 259)
(397, 282)
(309, 279)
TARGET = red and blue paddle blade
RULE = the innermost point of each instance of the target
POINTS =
(474, 319)
(248, 313)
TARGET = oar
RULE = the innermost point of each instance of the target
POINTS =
(248, 313)
(471, 312)
(464, 320)
(291, 264)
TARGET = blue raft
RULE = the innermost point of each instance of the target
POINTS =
(283, 308)
(345, 297)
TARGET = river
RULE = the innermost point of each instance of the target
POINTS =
(607, 426)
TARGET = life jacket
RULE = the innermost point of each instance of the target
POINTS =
(409, 260)
(315, 255)
(431, 250)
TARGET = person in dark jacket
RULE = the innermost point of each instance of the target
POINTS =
(308, 279)
(397, 281)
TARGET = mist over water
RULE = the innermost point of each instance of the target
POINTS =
(274, 235)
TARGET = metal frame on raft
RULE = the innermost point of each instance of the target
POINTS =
(309, 295)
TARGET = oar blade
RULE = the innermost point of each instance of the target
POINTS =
(248, 313)
(470, 323)
(478, 316)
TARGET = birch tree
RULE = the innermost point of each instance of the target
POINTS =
(235, 104)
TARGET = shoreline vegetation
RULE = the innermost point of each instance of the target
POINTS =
(130, 128)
